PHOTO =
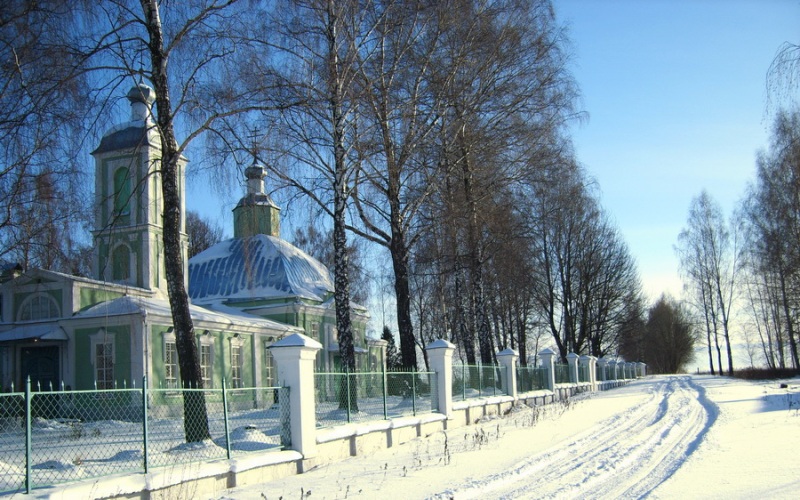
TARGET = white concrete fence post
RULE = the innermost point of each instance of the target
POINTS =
(508, 377)
(603, 363)
(294, 358)
(642, 369)
(572, 361)
(440, 356)
(547, 356)
(589, 363)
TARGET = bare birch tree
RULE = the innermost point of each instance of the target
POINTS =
(708, 252)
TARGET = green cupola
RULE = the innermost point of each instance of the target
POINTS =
(256, 213)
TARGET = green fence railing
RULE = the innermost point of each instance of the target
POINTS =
(531, 378)
(562, 374)
(356, 397)
(476, 381)
(54, 437)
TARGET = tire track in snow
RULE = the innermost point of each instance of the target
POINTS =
(626, 455)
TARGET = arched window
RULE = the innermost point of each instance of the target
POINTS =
(121, 263)
(122, 191)
(39, 306)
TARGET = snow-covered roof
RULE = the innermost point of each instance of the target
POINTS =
(131, 134)
(37, 273)
(257, 267)
(156, 307)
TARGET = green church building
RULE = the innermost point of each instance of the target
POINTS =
(114, 329)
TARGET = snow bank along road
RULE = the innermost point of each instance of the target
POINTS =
(659, 437)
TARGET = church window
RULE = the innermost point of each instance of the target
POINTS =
(102, 358)
(236, 362)
(206, 352)
(122, 191)
(206, 365)
(120, 263)
(39, 306)
(104, 365)
(170, 364)
(269, 368)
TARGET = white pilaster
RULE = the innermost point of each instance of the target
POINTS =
(508, 359)
(572, 361)
(440, 356)
(294, 358)
(547, 356)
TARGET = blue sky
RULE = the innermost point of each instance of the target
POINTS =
(676, 93)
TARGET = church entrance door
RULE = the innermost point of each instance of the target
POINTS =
(41, 364)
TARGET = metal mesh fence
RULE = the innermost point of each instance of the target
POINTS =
(12, 442)
(357, 397)
(53, 437)
(562, 374)
(80, 434)
(531, 378)
(584, 373)
(476, 381)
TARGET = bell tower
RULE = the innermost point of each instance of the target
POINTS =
(128, 204)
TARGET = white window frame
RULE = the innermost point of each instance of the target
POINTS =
(271, 379)
(171, 369)
(102, 338)
(206, 344)
(333, 335)
(237, 362)
(33, 304)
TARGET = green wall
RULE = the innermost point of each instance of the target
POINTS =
(84, 368)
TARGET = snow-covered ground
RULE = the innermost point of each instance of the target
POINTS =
(660, 437)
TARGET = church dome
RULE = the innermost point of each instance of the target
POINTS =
(256, 267)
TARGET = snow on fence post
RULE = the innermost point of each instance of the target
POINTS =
(294, 356)
(642, 369)
(603, 362)
(572, 361)
(508, 377)
(440, 356)
(548, 363)
(589, 363)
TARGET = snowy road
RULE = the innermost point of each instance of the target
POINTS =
(659, 437)
(626, 455)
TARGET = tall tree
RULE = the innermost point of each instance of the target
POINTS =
(43, 106)
(314, 142)
(772, 225)
(506, 95)
(398, 114)
(668, 341)
(190, 61)
(708, 252)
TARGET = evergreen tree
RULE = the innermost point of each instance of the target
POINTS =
(393, 360)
